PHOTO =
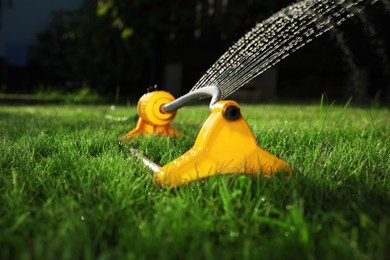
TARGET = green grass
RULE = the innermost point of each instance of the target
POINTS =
(68, 190)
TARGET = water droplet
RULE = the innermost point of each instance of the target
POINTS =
(234, 234)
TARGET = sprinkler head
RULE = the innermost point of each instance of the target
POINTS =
(231, 113)
(153, 121)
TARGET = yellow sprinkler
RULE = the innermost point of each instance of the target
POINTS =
(152, 120)
(224, 145)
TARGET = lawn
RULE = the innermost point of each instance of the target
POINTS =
(68, 190)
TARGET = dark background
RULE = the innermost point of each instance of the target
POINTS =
(117, 46)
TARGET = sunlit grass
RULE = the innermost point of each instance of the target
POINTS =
(67, 189)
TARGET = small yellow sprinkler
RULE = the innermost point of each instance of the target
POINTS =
(225, 144)
(152, 120)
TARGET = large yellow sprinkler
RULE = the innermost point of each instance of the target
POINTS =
(224, 145)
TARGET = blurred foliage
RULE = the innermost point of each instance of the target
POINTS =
(111, 44)
(84, 95)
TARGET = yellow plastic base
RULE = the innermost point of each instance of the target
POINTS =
(224, 146)
(144, 128)
(151, 120)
